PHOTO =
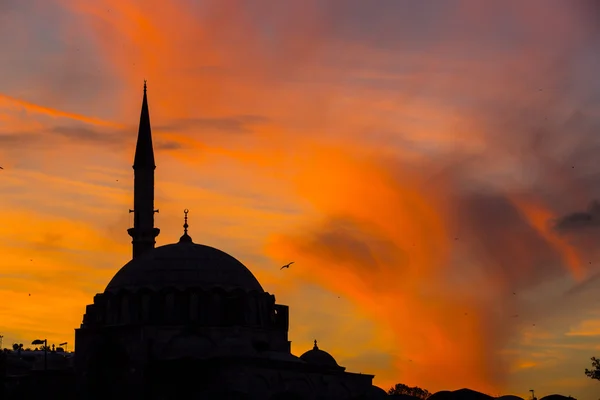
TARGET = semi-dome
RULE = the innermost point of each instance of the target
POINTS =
(319, 357)
(184, 265)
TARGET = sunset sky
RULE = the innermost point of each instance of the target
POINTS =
(430, 166)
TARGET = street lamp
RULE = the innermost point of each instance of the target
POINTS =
(66, 344)
(45, 343)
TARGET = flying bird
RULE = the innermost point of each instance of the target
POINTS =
(286, 266)
(1, 168)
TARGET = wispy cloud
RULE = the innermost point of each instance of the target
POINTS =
(11, 102)
(234, 124)
(586, 328)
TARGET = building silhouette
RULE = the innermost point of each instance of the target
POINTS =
(187, 320)
(35, 374)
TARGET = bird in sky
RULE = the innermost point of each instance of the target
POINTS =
(286, 266)
(1, 168)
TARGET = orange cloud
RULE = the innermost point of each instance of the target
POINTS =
(385, 251)
(46, 278)
(540, 218)
(401, 249)
(586, 328)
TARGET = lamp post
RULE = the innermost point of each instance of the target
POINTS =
(45, 343)
(1, 337)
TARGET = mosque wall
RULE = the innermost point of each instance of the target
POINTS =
(316, 385)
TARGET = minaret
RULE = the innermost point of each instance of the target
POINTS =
(143, 233)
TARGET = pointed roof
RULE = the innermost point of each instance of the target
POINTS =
(144, 153)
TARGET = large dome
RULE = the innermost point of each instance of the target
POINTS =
(184, 265)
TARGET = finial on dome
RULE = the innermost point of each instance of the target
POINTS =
(185, 224)
(144, 86)
(185, 238)
(315, 348)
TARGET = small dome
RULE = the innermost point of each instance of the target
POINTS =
(377, 393)
(184, 265)
(319, 357)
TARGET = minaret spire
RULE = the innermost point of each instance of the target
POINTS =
(143, 233)
(144, 154)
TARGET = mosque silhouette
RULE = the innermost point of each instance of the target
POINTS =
(187, 320)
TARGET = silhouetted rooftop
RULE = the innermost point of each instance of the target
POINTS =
(461, 394)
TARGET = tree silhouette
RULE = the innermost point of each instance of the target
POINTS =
(595, 372)
(17, 346)
(415, 391)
